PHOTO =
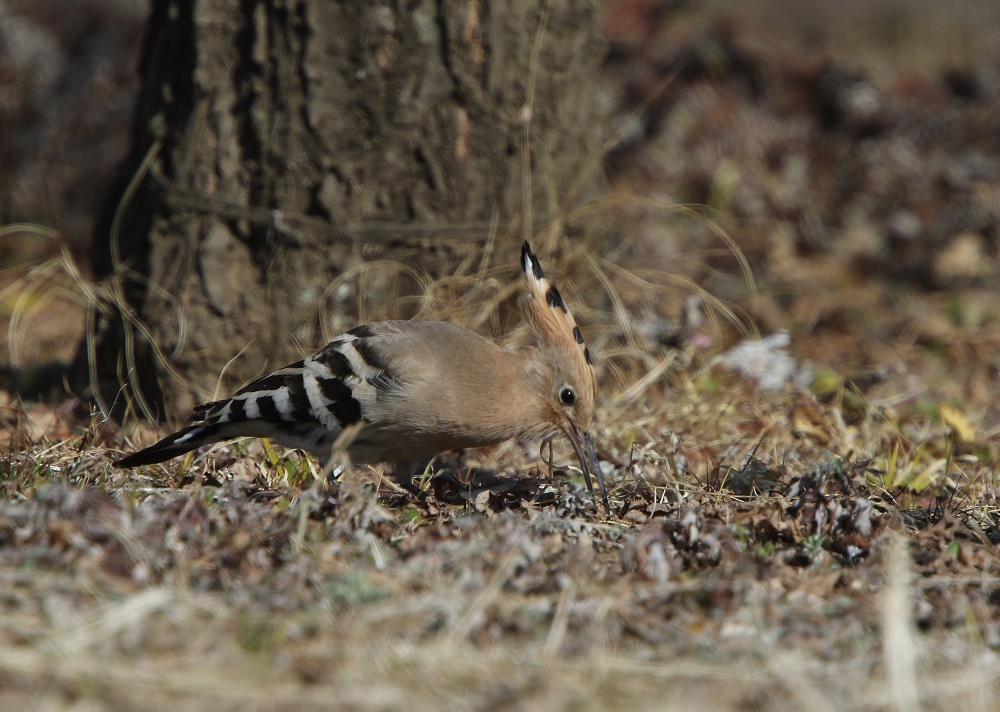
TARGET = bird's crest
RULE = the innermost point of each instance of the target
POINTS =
(551, 318)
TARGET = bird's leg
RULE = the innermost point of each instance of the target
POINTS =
(414, 475)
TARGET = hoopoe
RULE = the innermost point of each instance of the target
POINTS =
(417, 388)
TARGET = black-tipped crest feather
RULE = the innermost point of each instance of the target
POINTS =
(530, 263)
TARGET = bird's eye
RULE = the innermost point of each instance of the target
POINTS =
(567, 396)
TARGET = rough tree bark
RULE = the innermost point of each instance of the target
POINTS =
(296, 138)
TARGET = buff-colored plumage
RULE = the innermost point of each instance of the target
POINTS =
(417, 388)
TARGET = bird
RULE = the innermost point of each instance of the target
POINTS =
(415, 389)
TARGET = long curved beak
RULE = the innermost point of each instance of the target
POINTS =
(586, 453)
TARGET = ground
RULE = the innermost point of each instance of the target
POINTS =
(797, 323)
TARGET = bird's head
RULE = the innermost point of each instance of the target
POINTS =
(568, 382)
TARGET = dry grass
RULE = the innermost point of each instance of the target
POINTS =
(739, 571)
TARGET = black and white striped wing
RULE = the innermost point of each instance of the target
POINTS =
(304, 405)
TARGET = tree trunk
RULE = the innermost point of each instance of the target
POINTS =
(292, 140)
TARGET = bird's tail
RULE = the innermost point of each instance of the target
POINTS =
(190, 438)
